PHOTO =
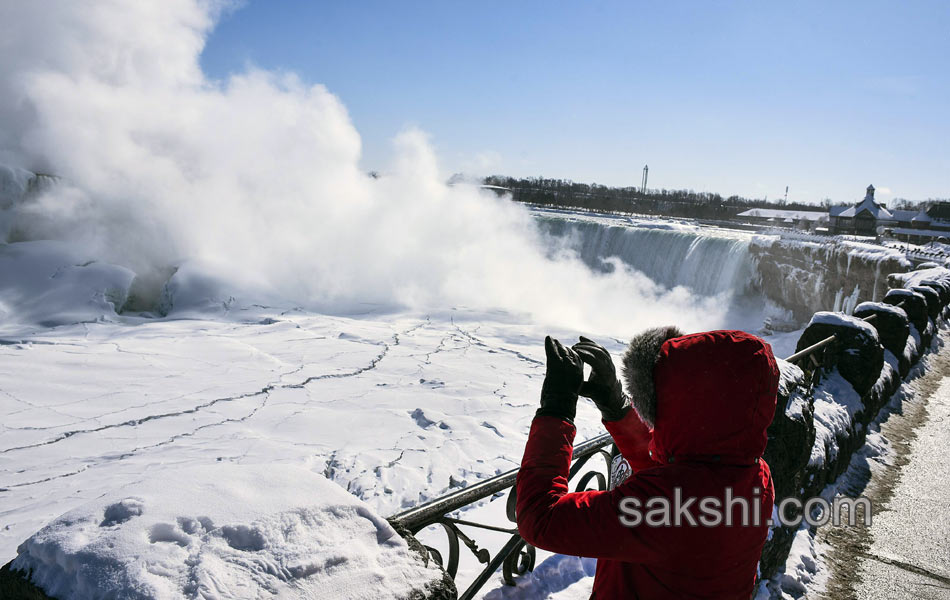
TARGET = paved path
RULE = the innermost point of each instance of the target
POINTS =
(909, 552)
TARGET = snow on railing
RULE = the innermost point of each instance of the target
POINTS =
(937, 253)
(804, 236)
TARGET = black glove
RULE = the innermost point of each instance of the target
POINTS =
(602, 386)
(562, 379)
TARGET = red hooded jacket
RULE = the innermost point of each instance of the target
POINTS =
(715, 397)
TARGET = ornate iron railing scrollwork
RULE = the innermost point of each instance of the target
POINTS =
(603, 479)
(451, 532)
(519, 561)
(516, 557)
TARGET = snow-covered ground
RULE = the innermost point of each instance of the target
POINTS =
(215, 532)
(396, 408)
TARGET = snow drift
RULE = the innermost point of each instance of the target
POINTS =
(52, 283)
(215, 532)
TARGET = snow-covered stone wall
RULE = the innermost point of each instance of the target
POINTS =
(829, 402)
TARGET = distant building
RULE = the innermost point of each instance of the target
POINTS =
(803, 219)
(867, 216)
(940, 211)
(920, 227)
(861, 219)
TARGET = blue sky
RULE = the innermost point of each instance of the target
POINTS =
(730, 97)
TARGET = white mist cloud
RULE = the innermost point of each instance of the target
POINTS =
(259, 175)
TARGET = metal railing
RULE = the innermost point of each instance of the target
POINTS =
(931, 251)
(516, 557)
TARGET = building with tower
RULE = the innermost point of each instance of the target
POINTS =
(867, 217)
(861, 219)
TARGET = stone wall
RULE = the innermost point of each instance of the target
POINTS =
(825, 406)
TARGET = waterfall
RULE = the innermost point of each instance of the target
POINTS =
(708, 262)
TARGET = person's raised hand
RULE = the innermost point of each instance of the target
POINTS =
(562, 380)
(602, 386)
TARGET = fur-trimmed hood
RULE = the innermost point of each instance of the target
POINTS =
(710, 393)
(637, 368)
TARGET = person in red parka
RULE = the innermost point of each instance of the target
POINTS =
(693, 430)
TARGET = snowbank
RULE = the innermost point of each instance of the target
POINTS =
(841, 320)
(912, 278)
(791, 377)
(50, 283)
(881, 307)
(224, 531)
(559, 577)
(836, 404)
(864, 251)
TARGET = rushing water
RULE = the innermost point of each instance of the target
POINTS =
(707, 261)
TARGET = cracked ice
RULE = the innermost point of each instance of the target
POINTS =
(394, 408)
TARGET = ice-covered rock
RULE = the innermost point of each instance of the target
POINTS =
(917, 277)
(198, 288)
(226, 531)
(857, 353)
(942, 286)
(791, 437)
(892, 327)
(14, 183)
(915, 305)
(813, 273)
(50, 283)
(17, 187)
(932, 297)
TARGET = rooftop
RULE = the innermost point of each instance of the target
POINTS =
(868, 205)
(774, 213)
